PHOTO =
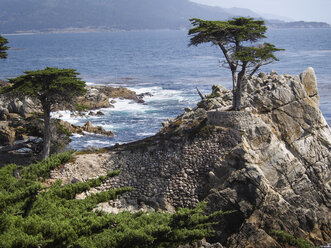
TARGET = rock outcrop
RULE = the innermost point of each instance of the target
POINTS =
(87, 127)
(97, 96)
(270, 162)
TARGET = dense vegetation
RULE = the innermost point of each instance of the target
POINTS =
(34, 213)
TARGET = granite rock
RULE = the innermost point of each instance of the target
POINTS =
(270, 162)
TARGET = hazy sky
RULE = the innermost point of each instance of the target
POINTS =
(306, 10)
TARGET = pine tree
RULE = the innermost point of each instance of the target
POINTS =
(49, 87)
(235, 38)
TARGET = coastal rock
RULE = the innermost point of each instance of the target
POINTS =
(19, 106)
(269, 162)
(87, 127)
(282, 166)
(98, 96)
(7, 134)
(308, 78)
(93, 99)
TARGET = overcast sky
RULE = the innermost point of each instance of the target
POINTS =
(306, 10)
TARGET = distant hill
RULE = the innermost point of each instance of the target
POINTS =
(300, 24)
(46, 15)
(58, 15)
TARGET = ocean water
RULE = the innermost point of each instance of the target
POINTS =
(159, 62)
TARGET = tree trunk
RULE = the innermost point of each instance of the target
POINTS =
(237, 98)
(47, 131)
(200, 94)
(237, 93)
(234, 89)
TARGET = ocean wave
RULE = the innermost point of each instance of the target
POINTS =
(66, 115)
(123, 105)
(159, 93)
(145, 134)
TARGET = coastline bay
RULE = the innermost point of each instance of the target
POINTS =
(159, 62)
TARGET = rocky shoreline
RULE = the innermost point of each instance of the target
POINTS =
(21, 122)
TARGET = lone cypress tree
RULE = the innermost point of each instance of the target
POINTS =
(3, 48)
(49, 87)
(235, 38)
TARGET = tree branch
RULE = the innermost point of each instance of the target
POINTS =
(227, 57)
(200, 94)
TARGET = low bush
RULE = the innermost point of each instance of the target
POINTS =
(32, 215)
(285, 238)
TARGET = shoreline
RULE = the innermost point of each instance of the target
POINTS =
(97, 30)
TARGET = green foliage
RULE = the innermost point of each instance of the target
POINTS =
(51, 85)
(80, 107)
(235, 38)
(285, 238)
(35, 216)
(154, 229)
(42, 169)
(236, 30)
(3, 48)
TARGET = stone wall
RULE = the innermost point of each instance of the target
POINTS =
(176, 176)
(167, 175)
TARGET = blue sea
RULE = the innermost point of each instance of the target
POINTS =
(159, 62)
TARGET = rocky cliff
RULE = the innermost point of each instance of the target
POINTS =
(270, 162)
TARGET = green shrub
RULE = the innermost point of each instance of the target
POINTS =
(42, 169)
(285, 238)
(35, 216)
(80, 107)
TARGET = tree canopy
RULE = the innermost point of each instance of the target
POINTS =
(3, 48)
(49, 87)
(235, 38)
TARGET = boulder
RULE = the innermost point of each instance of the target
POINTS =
(7, 134)
(308, 79)
(100, 113)
(98, 96)
(87, 127)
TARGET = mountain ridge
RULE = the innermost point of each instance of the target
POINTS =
(18, 16)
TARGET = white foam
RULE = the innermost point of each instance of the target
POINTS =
(159, 94)
(66, 116)
(145, 134)
(142, 90)
(90, 83)
(97, 142)
(76, 135)
(107, 127)
(129, 106)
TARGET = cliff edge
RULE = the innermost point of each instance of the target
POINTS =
(270, 162)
